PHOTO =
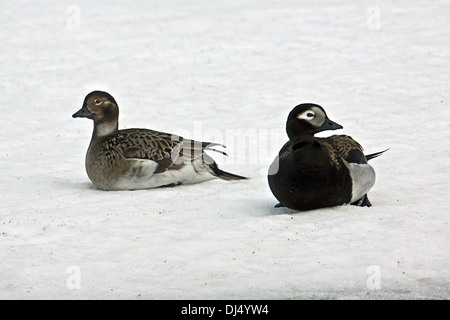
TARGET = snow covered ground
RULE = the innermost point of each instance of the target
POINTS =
(228, 72)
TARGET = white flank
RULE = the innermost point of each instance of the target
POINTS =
(363, 178)
(142, 176)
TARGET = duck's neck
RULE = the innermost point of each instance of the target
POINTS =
(300, 141)
(105, 128)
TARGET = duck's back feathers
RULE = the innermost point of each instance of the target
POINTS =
(168, 150)
(338, 147)
(144, 144)
(343, 147)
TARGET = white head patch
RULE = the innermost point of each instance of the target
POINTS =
(307, 115)
(315, 116)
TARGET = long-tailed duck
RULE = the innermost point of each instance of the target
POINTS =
(311, 173)
(141, 158)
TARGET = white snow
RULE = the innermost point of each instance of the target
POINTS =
(227, 72)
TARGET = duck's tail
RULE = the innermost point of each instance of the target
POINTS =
(213, 169)
(226, 175)
(374, 155)
(208, 145)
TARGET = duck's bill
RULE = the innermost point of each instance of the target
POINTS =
(330, 125)
(83, 113)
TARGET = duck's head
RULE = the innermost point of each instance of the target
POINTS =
(307, 119)
(102, 108)
(98, 106)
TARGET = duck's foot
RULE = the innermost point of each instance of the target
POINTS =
(279, 205)
(363, 202)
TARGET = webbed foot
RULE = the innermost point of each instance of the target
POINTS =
(363, 202)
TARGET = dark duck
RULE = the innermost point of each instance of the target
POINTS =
(311, 173)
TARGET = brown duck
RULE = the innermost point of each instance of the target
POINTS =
(141, 158)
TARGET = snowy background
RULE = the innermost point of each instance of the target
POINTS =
(228, 72)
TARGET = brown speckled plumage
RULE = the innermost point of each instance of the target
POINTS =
(141, 158)
(339, 147)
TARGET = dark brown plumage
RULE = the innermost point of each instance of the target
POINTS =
(311, 173)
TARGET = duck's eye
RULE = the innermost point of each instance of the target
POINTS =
(98, 101)
(307, 115)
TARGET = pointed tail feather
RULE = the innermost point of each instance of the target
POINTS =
(215, 171)
(227, 175)
(374, 155)
(193, 148)
(212, 167)
(218, 151)
(208, 145)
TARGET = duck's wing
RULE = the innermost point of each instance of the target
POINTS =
(350, 150)
(168, 150)
(344, 147)
(343, 150)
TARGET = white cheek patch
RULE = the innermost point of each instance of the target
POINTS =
(363, 178)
